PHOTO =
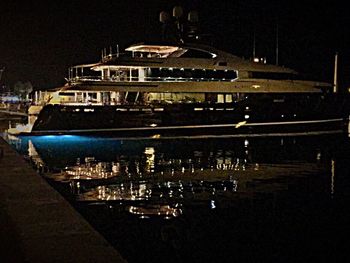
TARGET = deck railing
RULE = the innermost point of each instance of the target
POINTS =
(145, 79)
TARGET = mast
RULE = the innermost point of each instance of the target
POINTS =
(254, 44)
(335, 82)
(277, 44)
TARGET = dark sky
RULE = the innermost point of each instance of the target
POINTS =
(41, 39)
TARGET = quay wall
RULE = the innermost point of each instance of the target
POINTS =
(38, 224)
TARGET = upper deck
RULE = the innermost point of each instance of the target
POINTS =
(203, 66)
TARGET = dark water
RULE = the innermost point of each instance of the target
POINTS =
(206, 200)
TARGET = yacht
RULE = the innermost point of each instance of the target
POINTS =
(170, 88)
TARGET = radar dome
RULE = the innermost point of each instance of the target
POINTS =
(164, 17)
(177, 11)
(193, 17)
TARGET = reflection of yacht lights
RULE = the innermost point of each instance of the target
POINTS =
(155, 210)
(149, 150)
(332, 176)
(150, 157)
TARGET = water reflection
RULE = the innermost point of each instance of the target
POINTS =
(89, 170)
(172, 171)
(253, 196)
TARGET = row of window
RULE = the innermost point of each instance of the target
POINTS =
(201, 74)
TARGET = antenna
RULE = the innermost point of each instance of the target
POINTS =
(192, 25)
(177, 14)
(1, 71)
(164, 18)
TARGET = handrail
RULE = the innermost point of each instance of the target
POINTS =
(145, 79)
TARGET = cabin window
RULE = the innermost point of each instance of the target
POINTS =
(221, 98)
(228, 98)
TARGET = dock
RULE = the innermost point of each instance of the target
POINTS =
(14, 113)
(38, 224)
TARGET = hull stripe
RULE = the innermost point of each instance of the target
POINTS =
(237, 125)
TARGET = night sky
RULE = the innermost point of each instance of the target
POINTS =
(41, 39)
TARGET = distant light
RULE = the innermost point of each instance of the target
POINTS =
(318, 157)
(246, 142)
